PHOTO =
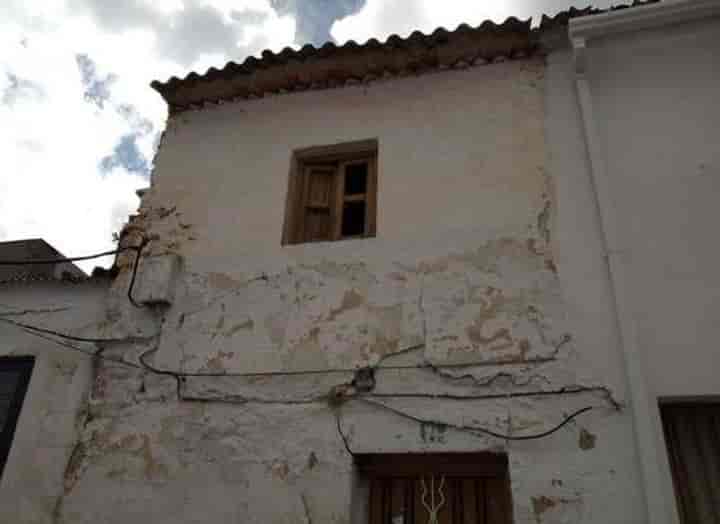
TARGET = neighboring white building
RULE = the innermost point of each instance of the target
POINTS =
(49, 382)
(633, 123)
(456, 276)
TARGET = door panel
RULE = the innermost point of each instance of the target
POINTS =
(454, 500)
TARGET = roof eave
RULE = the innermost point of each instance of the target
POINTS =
(654, 15)
(330, 65)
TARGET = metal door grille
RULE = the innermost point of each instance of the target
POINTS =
(437, 489)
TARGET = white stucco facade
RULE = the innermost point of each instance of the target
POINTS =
(496, 296)
(638, 87)
(55, 405)
(654, 93)
(462, 273)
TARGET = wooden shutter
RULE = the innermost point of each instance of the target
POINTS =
(465, 488)
(692, 432)
(323, 201)
(319, 203)
(14, 378)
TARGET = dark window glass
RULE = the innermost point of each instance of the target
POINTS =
(4, 408)
(356, 179)
(8, 382)
(353, 219)
(14, 378)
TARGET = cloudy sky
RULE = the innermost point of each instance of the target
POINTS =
(79, 123)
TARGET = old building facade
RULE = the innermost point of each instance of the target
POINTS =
(379, 283)
(43, 386)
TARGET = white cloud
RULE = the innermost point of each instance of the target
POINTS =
(53, 139)
(382, 18)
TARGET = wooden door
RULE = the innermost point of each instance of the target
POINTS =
(438, 489)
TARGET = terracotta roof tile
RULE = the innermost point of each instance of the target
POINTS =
(330, 65)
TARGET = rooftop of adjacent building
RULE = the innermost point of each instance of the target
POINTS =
(35, 249)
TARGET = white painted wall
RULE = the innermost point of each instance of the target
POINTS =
(466, 207)
(655, 94)
(56, 400)
(457, 143)
(653, 118)
(476, 168)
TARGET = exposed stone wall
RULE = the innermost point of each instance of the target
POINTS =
(456, 307)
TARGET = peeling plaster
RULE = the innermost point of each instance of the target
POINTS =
(586, 440)
(459, 327)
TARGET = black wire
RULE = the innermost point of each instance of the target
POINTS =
(225, 374)
(144, 366)
(137, 249)
(343, 437)
(84, 352)
(571, 390)
(64, 259)
(28, 327)
(305, 371)
(155, 370)
(134, 272)
(477, 429)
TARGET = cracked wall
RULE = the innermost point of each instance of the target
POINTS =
(55, 404)
(457, 305)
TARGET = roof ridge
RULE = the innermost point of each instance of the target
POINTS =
(511, 38)
(289, 52)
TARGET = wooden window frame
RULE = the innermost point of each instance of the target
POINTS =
(482, 464)
(334, 157)
(23, 366)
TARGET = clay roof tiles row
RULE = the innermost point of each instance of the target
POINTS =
(330, 65)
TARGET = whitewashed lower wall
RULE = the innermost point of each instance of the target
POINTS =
(55, 404)
(270, 448)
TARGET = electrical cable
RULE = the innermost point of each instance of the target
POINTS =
(180, 374)
(468, 429)
(566, 390)
(38, 329)
(90, 354)
(477, 429)
(138, 249)
(314, 371)
(60, 260)
(43, 332)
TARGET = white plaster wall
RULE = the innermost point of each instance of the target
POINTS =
(56, 400)
(580, 256)
(658, 117)
(462, 272)
(653, 97)
(455, 150)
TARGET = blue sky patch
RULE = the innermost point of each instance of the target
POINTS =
(97, 89)
(126, 154)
